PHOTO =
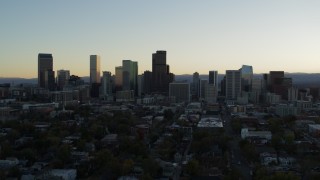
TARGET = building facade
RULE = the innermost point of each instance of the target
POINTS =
(95, 69)
(45, 71)
(180, 92)
(63, 77)
(160, 72)
(233, 84)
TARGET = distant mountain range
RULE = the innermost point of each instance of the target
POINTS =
(299, 79)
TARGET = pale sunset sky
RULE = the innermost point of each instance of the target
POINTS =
(197, 35)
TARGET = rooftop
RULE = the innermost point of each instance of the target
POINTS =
(210, 122)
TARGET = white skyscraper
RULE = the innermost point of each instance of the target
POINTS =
(94, 69)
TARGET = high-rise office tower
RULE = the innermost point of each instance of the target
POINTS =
(223, 86)
(279, 84)
(203, 88)
(140, 85)
(118, 78)
(160, 72)
(212, 87)
(130, 75)
(274, 78)
(246, 77)
(213, 78)
(106, 84)
(45, 71)
(147, 82)
(63, 77)
(233, 84)
(195, 88)
(95, 69)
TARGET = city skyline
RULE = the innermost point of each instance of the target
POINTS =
(198, 37)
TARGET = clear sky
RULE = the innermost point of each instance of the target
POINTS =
(197, 35)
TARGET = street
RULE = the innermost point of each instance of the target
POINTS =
(236, 159)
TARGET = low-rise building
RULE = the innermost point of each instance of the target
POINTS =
(286, 110)
(64, 174)
(210, 122)
(245, 133)
(314, 129)
(267, 158)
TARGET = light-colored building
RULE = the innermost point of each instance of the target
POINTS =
(94, 69)
(180, 91)
(233, 84)
(130, 75)
(63, 77)
(245, 133)
(106, 84)
(293, 94)
(210, 122)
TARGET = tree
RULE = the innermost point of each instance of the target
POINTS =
(193, 168)
(150, 167)
(233, 174)
(64, 153)
(168, 114)
(127, 166)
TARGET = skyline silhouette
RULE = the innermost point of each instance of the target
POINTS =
(210, 35)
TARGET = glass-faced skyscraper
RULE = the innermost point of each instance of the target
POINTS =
(130, 75)
(213, 78)
(246, 77)
(94, 69)
(45, 71)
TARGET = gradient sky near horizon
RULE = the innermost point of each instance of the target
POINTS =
(197, 35)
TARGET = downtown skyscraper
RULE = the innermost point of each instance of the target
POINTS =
(161, 76)
(45, 71)
(95, 69)
(233, 84)
(130, 75)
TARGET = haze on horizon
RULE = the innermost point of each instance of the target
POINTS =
(198, 36)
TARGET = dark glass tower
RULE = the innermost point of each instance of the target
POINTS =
(160, 72)
(45, 71)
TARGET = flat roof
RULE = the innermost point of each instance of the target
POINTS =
(210, 122)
